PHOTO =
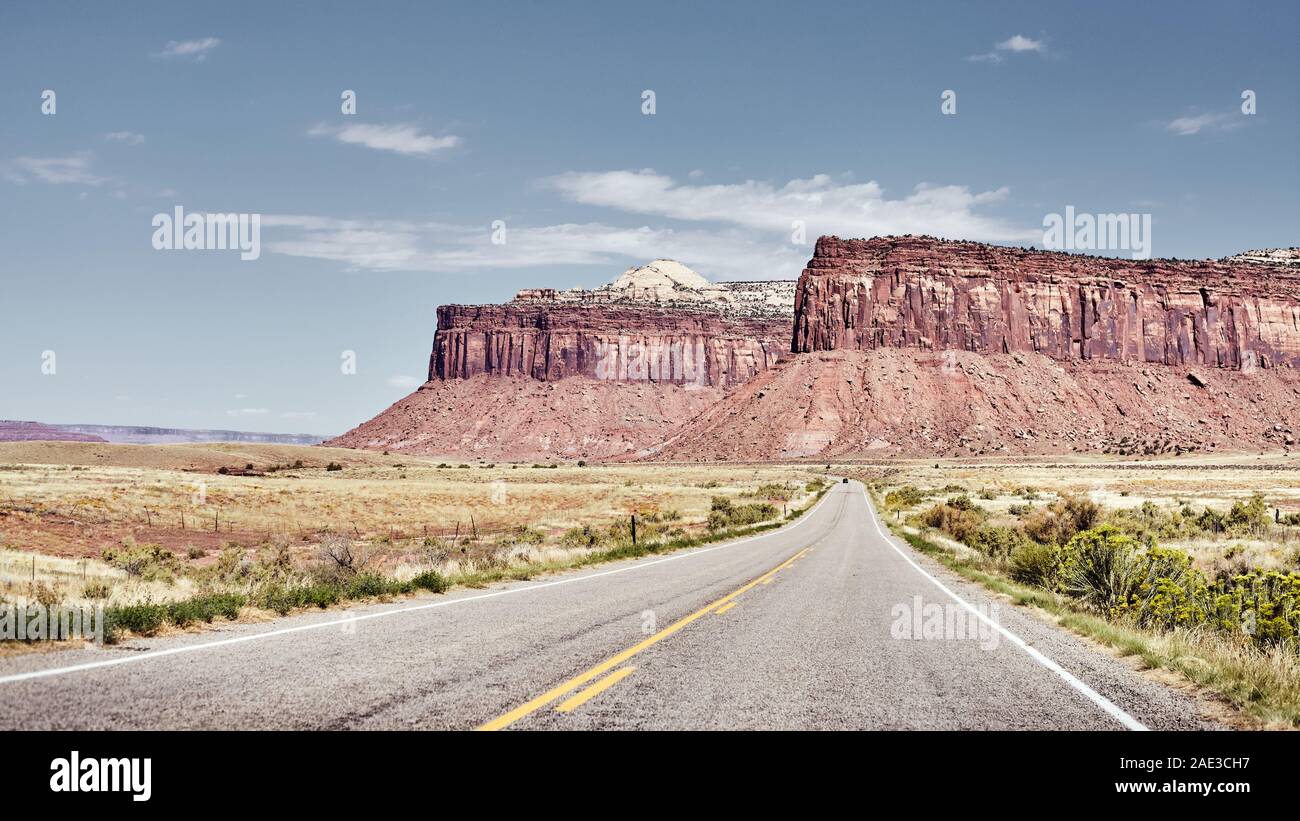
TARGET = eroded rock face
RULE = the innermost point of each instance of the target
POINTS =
(550, 341)
(920, 292)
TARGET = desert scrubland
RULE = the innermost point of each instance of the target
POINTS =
(1187, 566)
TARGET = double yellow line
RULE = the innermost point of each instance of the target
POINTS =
(530, 707)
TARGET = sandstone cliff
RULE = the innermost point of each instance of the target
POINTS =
(660, 322)
(598, 373)
(550, 342)
(919, 292)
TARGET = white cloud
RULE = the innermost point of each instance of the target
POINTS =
(1195, 123)
(198, 49)
(128, 137)
(825, 206)
(1015, 44)
(741, 231)
(1019, 42)
(403, 381)
(382, 245)
(73, 169)
(247, 412)
(402, 139)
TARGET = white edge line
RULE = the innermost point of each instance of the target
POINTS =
(207, 645)
(1112, 709)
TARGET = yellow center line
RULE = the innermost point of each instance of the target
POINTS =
(724, 608)
(573, 702)
(530, 707)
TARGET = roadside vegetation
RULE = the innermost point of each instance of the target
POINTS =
(149, 588)
(1210, 592)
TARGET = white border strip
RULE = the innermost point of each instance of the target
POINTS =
(208, 645)
(1113, 710)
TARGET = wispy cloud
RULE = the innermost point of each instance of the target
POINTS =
(1015, 44)
(197, 49)
(822, 204)
(71, 170)
(402, 139)
(403, 381)
(389, 245)
(128, 137)
(744, 229)
(1196, 123)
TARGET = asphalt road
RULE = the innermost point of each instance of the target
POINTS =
(827, 623)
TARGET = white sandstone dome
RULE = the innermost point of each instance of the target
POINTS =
(663, 279)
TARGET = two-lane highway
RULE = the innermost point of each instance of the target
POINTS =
(826, 623)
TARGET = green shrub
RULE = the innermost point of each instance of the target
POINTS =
(149, 562)
(205, 608)
(142, 618)
(904, 497)
(365, 585)
(333, 466)
(1101, 568)
(1250, 518)
(430, 580)
(959, 523)
(1034, 563)
(723, 513)
(523, 534)
(777, 491)
(584, 536)
(998, 542)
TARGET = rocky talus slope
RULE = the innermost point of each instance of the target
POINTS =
(909, 402)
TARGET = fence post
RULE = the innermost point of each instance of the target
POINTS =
(634, 529)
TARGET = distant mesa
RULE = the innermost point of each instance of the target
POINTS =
(11, 431)
(585, 373)
(16, 431)
(891, 346)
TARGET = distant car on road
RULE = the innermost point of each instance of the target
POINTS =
(845, 480)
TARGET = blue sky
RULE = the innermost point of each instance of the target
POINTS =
(531, 113)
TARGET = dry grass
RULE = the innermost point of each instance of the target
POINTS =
(1213, 482)
(66, 513)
